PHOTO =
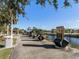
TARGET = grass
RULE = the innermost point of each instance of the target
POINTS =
(4, 54)
(14, 41)
(75, 46)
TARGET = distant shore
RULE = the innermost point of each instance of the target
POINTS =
(75, 35)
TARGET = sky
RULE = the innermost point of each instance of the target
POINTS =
(49, 18)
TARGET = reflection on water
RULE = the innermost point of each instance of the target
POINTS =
(51, 37)
(70, 39)
(75, 40)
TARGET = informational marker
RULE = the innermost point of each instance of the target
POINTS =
(60, 32)
(8, 42)
(60, 41)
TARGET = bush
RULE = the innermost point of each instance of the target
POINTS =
(1, 38)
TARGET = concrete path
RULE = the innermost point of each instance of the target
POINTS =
(30, 49)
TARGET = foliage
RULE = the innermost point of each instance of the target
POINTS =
(36, 31)
(1, 40)
(22, 31)
(13, 8)
(53, 31)
(19, 31)
(16, 7)
(14, 41)
(9, 8)
(55, 3)
(2, 28)
(39, 31)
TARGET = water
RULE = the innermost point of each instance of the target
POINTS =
(70, 39)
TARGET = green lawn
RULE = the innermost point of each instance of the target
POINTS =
(75, 46)
(4, 54)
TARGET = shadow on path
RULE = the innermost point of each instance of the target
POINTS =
(47, 46)
(31, 40)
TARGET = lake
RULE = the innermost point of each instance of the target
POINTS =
(70, 39)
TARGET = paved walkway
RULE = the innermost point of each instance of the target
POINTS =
(30, 49)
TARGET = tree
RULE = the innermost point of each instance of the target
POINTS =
(5, 19)
(37, 31)
(10, 9)
(55, 3)
(53, 31)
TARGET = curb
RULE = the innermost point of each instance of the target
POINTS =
(9, 57)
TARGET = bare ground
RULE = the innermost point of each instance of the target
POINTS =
(30, 49)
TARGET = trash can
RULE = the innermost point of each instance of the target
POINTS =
(8, 42)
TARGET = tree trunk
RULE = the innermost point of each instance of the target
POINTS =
(11, 24)
(8, 33)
